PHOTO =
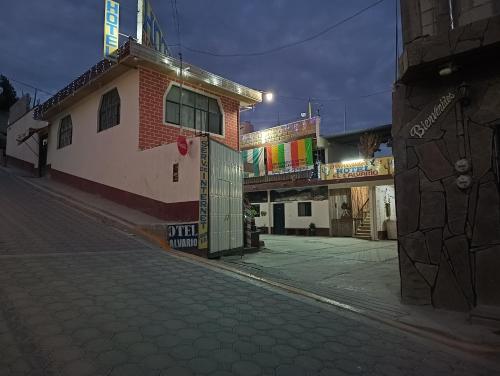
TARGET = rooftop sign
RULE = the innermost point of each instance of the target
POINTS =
(148, 28)
(111, 27)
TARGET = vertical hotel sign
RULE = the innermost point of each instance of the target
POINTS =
(149, 32)
(203, 217)
(111, 26)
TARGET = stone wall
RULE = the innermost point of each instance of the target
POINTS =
(449, 236)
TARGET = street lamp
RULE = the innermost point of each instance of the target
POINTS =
(268, 96)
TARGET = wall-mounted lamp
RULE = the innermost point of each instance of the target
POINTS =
(447, 70)
(268, 96)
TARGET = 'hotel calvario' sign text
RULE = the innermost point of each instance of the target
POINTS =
(419, 129)
(361, 168)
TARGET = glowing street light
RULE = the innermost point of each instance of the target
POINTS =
(268, 96)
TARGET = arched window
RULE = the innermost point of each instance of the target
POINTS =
(65, 135)
(198, 111)
(109, 111)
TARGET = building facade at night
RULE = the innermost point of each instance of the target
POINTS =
(300, 183)
(165, 141)
(446, 117)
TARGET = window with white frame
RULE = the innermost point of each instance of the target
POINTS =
(193, 110)
(65, 134)
(109, 110)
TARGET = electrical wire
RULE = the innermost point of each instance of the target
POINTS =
(345, 99)
(175, 15)
(30, 86)
(287, 45)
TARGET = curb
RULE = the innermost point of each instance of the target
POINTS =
(123, 224)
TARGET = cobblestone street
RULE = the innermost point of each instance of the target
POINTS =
(78, 297)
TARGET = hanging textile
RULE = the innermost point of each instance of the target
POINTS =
(289, 157)
(253, 162)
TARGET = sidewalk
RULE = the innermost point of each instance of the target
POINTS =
(449, 328)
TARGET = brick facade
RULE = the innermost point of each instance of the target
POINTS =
(152, 130)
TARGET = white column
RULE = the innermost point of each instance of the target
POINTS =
(269, 212)
(373, 210)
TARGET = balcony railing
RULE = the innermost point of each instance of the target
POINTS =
(291, 176)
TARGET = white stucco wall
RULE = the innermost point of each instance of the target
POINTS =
(381, 192)
(263, 220)
(319, 215)
(28, 150)
(112, 157)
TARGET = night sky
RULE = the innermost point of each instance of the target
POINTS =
(49, 43)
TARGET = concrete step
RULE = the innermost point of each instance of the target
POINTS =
(363, 233)
(363, 229)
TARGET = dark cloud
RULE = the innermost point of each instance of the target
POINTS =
(49, 43)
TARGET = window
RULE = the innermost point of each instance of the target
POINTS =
(198, 111)
(304, 209)
(175, 172)
(256, 210)
(65, 136)
(109, 112)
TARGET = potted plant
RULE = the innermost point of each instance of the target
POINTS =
(312, 229)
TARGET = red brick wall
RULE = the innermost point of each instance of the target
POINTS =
(153, 132)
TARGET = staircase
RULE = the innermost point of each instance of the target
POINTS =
(363, 229)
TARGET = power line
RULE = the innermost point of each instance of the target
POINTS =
(287, 45)
(30, 86)
(175, 15)
(345, 99)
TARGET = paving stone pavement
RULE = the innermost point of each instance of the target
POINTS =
(78, 297)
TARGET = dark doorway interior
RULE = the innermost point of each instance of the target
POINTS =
(42, 154)
(279, 219)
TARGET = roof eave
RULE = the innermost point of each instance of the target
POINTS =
(146, 56)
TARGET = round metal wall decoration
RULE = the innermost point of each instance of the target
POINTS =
(464, 181)
(462, 165)
(182, 145)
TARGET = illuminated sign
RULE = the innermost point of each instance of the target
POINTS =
(358, 168)
(148, 28)
(111, 26)
(203, 214)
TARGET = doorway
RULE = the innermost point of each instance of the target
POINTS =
(43, 139)
(279, 219)
(341, 209)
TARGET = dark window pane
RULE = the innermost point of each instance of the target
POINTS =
(174, 94)
(109, 112)
(214, 121)
(213, 105)
(65, 136)
(172, 114)
(187, 117)
(188, 98)
(304, 209)
(202, 102)
(201, 120)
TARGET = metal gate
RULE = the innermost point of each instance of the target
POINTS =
(226, 199)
